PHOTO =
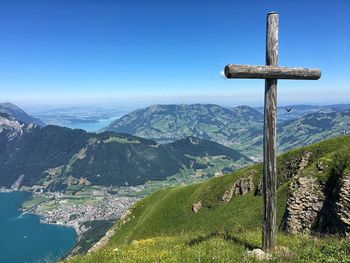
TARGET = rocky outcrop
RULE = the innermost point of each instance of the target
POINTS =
(321, 166)
(342, 206)
(312, 208)
(241, 186)
(304, 204)
(259, 255)
(259, 189)
(196, 207)
(304, 161)
(292, 169)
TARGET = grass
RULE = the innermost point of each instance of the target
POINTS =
(97, 229)
(120, 140)
(34, 201)
(50, 205)
(163, 228)
(221, 247)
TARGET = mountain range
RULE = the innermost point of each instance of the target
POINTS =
(298, 111)
(313, 127)
(55, 156)
(181, 223)
(185, 136)
(239, 128)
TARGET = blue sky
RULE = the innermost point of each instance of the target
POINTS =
(105, 52)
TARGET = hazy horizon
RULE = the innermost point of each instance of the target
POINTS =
(34, 107)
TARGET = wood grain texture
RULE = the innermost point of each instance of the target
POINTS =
(269, 174)
(270, 72)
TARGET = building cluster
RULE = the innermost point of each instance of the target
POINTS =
(71, 213)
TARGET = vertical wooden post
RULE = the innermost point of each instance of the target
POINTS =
(271, 72)
(269, 176)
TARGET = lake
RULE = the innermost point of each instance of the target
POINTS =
(24, 239)
(91, 126)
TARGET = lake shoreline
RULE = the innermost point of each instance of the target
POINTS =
(76, 212)
(43, 219)
(26, 233)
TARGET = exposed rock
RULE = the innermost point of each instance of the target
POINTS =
(303, 206)
(259, 190)
(342, 206)
(259, 254)
(241, 186)
(315, 208)
(196, 207)
(304, 161)
(294, 169)
(320, 166)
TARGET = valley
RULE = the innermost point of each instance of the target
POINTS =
(55, 157)
(312, 215)
(174, 131)
(87, 181)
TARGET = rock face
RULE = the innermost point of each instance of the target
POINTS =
(312, 208)
(259, 190)
(295, 166)
(304, 204)
(241, 187)
(294, 169)
(342, 206)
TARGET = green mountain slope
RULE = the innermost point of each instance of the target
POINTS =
(55, 156)
(298, 111)
(238, 128)
(312, 128)
(163, 226)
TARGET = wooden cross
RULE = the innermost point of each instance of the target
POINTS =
(271, 72)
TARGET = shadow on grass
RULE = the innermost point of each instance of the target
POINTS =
(225, 236)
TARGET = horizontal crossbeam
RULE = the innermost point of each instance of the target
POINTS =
(270, 72)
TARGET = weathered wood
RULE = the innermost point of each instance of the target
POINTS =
(270, 72)
(269, 174)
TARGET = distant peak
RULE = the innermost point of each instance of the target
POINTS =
(17, 113)
(244, 107)
(9, 104)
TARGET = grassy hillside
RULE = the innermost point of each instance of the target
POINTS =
(162, 226)
(238, 128)
(312, 128)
